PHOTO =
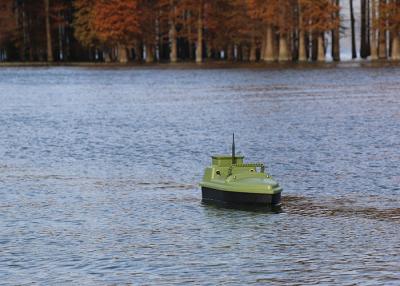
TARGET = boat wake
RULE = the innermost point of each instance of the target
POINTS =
(336, 207)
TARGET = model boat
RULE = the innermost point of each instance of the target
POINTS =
(230, 180)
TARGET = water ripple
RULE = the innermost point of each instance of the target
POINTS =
(99, 171)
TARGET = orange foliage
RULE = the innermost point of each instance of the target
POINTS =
(230, 23)
(389, 16)
(116, 21)
(278, 13)
(217, 24)
(84, 22)
(317, 15)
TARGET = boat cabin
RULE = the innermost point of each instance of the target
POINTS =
(226, 160)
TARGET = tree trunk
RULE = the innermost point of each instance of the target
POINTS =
(158, 43)
(50, 57)
(131, 54)
(395, 47)
(245, 53)
(302, 44)
(321, 48)
(263, 45)
(138, 51)
(253, 50)
(276, 46)
(107, 56)
(382, 49)
(28, 38)
(149, 53)
(283, 48)
(336, 37)
(209, 50)
(314, 46)
(307, 42)
(173, 55)
(189, 37)
(374, 47)
(229, 52)
(364, 44)
(368, 26)
(199, 44)
(22, 26)
(353, 33)
(302, 47)
(122, 54)
(67, 45)
(269, 45)
(60, 42)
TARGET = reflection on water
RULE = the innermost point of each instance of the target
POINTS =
(243, 207)
(99, 172)
(305, 206)
(337, 207)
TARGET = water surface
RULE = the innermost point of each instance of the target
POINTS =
(99, 171)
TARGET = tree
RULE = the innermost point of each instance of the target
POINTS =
(83, 23)
(284, 28)
(230, 28)
(112, 25)
(273, 15)
(61, 18)
(336, 33)
(318, 18)
(191, 29)
(390, 21)
(8, 29)
(364, 45)
(173, 56)
(148, 27)
(196, 19)
(374, 24)
(382, 22)
(116, 24)
(302, 34)
(353, 33)
(50, 57)
(199, 42)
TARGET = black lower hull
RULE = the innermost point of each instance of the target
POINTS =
(240, 198)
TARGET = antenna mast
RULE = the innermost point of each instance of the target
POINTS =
(233, 149)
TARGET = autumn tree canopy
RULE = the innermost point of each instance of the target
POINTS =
(177, 30)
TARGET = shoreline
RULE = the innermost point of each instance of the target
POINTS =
(211, 65)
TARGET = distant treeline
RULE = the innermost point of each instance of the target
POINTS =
(191, 30)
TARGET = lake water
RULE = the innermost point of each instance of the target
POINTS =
(99, 171)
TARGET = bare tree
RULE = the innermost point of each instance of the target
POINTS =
(50, 57)
(353, 33)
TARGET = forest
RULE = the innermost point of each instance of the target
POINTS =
(192, 30)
